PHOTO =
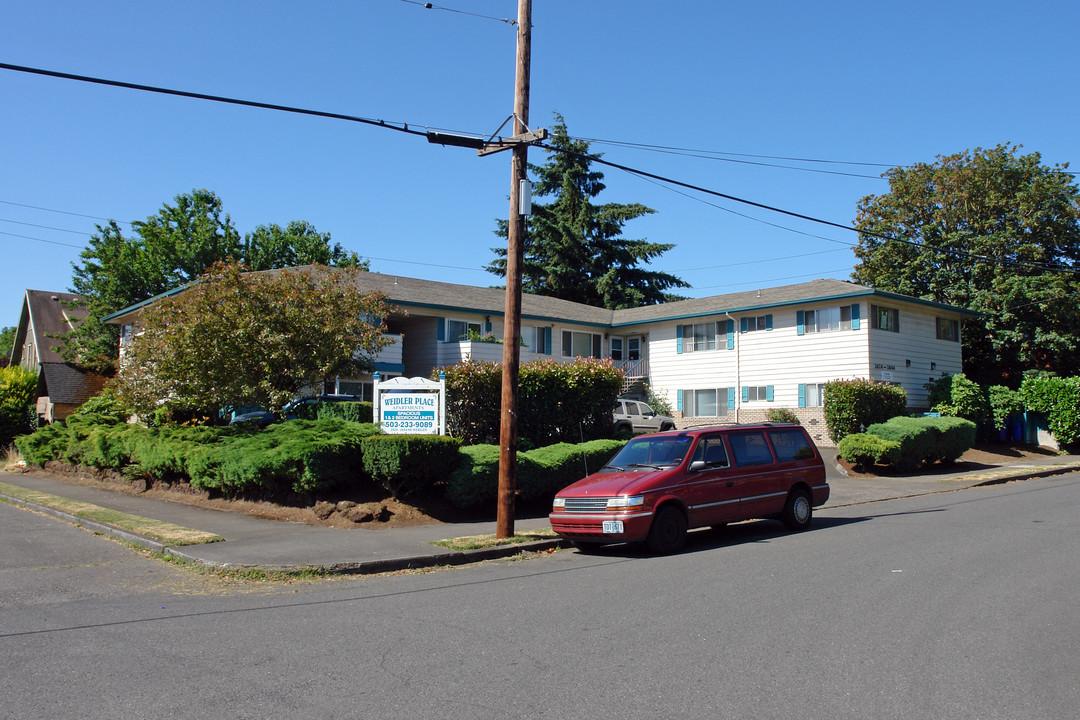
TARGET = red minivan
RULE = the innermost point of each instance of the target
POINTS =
(660, 485)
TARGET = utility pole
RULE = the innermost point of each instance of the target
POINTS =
(508, 425)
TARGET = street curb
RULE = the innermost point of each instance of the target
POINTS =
(94, 525)
(374, 567)
(369, 567)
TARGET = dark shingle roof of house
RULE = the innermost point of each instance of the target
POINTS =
(70, 385)
(50, 316)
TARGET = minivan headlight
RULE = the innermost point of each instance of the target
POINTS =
(559, 503)
(626, 502)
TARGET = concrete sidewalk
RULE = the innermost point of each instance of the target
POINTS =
(270, 544)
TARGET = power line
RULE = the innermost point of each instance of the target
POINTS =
(50, 242)
(808, 218)
(432, 6)
(44, 227)
(64, 212)
(215, 98)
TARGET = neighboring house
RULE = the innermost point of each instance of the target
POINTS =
(62, 386)
(722, 359)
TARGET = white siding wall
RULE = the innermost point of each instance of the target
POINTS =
(914, 355)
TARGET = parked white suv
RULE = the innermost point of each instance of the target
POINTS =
(638, 417)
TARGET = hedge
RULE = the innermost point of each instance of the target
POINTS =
(924, 440)
(852, 405)
(358, 412)
(407, 464)
(1058, 399)
(866, 450)
(540, 473)
(17, 391)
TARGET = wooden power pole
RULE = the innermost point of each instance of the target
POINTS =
(508, 425)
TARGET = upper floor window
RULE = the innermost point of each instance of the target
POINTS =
(461, 330)
(948, 329)
(698, 337)
(883, 318)
(581, 344)
(828, 319)
(758, 322)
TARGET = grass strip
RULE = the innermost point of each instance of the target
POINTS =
(477, 542)
(163, 532)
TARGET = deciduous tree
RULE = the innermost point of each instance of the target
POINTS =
(239, 339)
(994, 231)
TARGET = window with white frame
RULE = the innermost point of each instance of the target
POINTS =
(828, 319)
(757, 393)
(712, 402)
(698, 337)
(948, 329)
(756, 323)
(884, 318)
(581, 344)
(812, 395)
(460, 330)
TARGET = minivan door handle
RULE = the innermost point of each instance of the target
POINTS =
(731, 483)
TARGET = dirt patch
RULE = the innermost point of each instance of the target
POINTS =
(980, 457)
(344, 510)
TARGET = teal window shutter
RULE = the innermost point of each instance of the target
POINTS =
(547, 341)
(441, 331)
(742, 325)
(768, 322)
(678, 400)
(746, 393)
(730, 334)
(768, 393)
(855, 316)
(802, 395)
(800, 321)
(731, 397)
(678, 338)
(487, 326)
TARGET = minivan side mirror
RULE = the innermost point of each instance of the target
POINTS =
(701, 466)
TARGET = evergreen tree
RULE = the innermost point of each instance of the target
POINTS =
(574, 249)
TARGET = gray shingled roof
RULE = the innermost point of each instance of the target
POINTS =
(69, 385)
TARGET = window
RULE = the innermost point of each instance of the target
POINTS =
(759, 393)
(699, 337)
(459, 330)
(750, 448)
(536, 338)
(790, 445)
(883, 318)
(580, 344)
(706, 403)
(712, 452)
(828, 319)
(948, 329)
(812, 395)
(616, 349)
(760, 322)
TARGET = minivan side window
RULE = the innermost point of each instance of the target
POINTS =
(712, 452)
(790, 445)
(750, 448)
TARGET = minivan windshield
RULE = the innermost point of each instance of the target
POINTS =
(650, 452)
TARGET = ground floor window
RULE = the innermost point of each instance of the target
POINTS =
(812, 395)
(581, 344)
(706, 403)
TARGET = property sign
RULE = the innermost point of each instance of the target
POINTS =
(412, 406)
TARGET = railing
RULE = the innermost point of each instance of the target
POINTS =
(634, 369)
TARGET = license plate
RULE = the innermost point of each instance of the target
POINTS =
(613, 526)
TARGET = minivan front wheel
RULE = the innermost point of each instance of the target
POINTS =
(668, 532)
(798, 510)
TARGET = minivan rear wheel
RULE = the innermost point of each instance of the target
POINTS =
(668, 532)
(798, 510)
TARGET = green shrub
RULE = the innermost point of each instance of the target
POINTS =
(866, 450)
(1004, 402)
(783, 415)
(18, 388)
(852, 405)
(955, 436)
(407, 464)
(557, 401)
(358, 412)
(548, 470)
(106, 403)
(956, 396)
(475, 482)
(1058, 399)
(918, 441)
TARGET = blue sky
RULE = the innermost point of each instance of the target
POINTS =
(876, 83)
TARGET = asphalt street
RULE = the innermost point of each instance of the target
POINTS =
(957, 605)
